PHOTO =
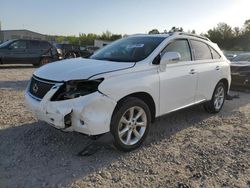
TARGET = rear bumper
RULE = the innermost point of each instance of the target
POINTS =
(90, 114)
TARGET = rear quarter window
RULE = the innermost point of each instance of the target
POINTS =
(45, 45)
(201, 50)
(34, 44)
(215, 54)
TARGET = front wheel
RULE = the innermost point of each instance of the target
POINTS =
(130, 124)
(217, 101)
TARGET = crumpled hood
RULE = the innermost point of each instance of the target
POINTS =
(78, 68)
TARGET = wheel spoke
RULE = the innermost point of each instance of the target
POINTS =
(124, 120)
(139, 114)
(141, 124)
(123, 131)
(128, 137)
(131, 113)
(137, 135)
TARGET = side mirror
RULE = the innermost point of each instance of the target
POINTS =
(168, 58)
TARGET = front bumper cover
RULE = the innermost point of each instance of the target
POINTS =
(90, 114)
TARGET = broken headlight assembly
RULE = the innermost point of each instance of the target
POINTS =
(76, 88)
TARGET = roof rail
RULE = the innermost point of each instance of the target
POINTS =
(193, 35)
(189, 34)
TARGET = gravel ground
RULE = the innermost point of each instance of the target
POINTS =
(189, 148)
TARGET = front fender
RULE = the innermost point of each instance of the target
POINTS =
(119, 86)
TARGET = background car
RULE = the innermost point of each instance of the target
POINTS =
(230, 56)
(68, 51)
(240, 71)
(36, 52)
(87, 51)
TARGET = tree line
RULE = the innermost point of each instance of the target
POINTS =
(87, 39)
(228, 38)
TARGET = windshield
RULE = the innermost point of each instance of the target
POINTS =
(130, 49)
(242, 57)
(5, 43)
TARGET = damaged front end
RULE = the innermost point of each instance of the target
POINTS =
(71, 106)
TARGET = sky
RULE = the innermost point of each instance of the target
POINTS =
(71, 17)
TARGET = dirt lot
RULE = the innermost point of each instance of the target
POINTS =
(189, 148)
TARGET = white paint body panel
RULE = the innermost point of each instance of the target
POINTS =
(171, 89)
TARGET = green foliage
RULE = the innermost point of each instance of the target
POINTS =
(231, 39)
(87, 39)
(154, 31)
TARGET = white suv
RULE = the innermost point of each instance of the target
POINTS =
(123, 87)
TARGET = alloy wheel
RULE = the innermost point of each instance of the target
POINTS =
(219, 97)
(132, 125)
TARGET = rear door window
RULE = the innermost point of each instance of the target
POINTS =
(201, 50)
(35, 45)
(180, 46)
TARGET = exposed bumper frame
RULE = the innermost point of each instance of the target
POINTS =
(90, 114)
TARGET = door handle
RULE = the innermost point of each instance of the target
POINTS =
(217, 68)
(192, 71)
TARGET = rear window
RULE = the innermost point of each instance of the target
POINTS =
(242, 57)
(201, 50)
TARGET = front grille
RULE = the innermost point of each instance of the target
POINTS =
(39, 87)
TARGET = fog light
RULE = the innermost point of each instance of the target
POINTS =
(82, 122)
(67, 120)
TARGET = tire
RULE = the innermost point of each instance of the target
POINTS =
(44, 61)
(128, 134)
(217, 101)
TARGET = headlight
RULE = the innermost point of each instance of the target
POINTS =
(59, 51)
(76, 88)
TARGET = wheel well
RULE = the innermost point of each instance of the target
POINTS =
(225, 82)
(145, 97)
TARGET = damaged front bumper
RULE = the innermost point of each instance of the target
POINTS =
(90, 114)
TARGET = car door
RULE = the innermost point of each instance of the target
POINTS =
(16, 52)
(208, 69)
(35, 51)
(179, 81)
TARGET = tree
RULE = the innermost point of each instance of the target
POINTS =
(246, 27)
(176, 29)
(222, 35)
(106, 35)
(236, 31)
(154, 31)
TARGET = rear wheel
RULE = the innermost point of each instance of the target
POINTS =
(130, 124)
(217, 101)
